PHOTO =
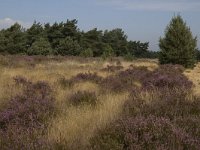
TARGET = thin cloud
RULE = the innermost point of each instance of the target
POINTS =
(154, 5)
(7, 22)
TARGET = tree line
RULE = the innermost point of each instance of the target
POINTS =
(66, 38)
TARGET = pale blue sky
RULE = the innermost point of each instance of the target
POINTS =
(143, 20)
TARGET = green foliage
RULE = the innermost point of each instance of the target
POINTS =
(178, 46)
(54, 33)
(70, 29)
(129, 57)
(107, 51)
(65, 38)
(12, 40)
(3, 42)
(87, 53)
(198, 55)
(68, 46)
(93, 39)
(138, 49)
(40, 47)
(35, 32)
(118, 41)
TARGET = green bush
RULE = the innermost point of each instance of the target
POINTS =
(40, 47)
(87, 53)
(107, 52)
(129, 57)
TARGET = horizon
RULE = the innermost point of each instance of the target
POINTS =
(143, 20)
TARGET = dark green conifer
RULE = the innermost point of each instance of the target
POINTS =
(178, 46)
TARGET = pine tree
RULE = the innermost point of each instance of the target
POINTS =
(178, 46)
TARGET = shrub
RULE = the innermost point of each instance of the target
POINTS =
(107, 52)
(25, 115)
(129, 57)
(93, 77)
(167, 76)
(87, 53)
(144, 133)
(40, 47)
(172, 104)
(125, 80)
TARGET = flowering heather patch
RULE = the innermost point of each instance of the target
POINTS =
(167, 76)
(166, 102)
(153, 109)
(144, 133)
(164, 119)
(83, 97)
(26, 113)
(190, 124)
(125, 80)
(93, 77)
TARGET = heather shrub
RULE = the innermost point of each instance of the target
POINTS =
(93, 77)
(167, 76)
(190, 124)
(125, 80)
(172, 104)
(83, 98)
(81, 77)
(27, 113)
(112, 84)
(16, 138)
(143, 133)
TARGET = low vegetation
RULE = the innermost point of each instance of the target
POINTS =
(79, 103)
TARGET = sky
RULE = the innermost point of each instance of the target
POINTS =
(143, 20)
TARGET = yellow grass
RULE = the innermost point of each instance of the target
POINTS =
(74, 126)
(194, 76)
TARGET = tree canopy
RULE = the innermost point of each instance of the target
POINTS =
(178, 46)
(65, 38)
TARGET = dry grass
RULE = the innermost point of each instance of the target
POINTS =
(194, 76)
(71, 124)
(74, 125)
(77, 125)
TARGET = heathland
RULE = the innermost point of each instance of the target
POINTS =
(90, 103)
